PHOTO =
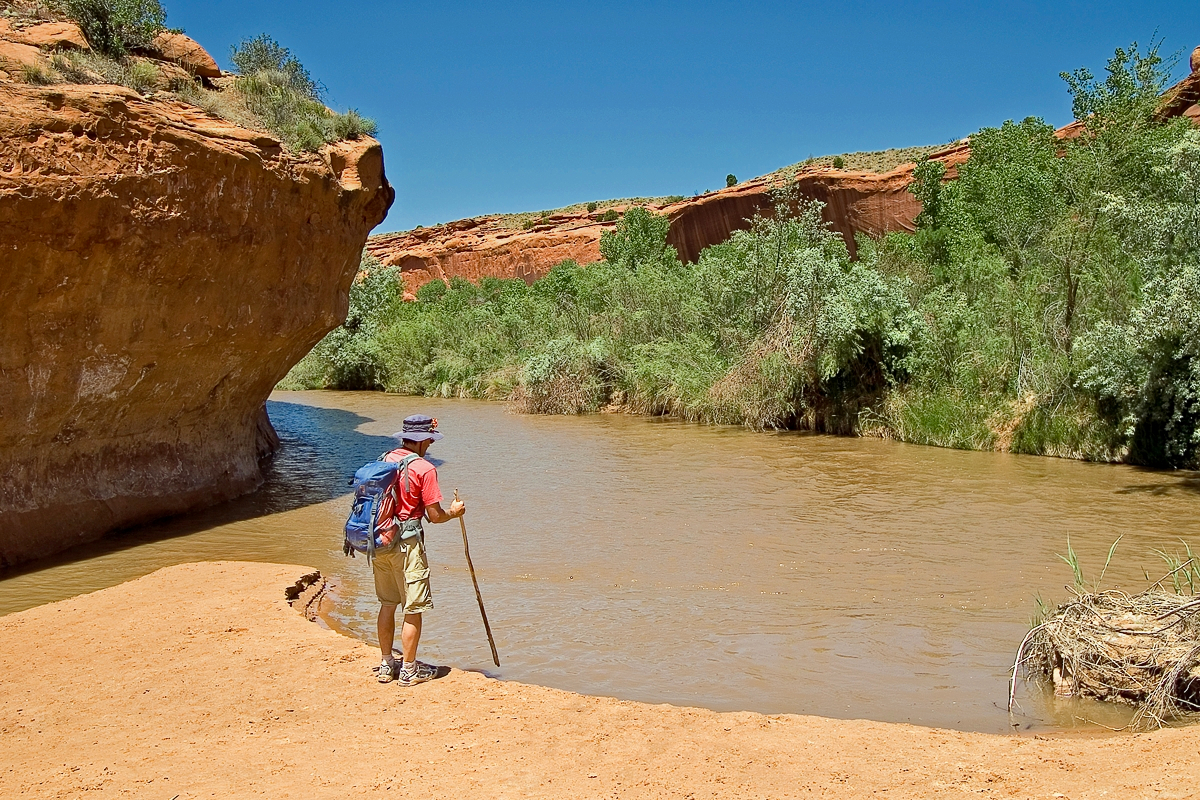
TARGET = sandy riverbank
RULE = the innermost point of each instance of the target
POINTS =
(201, 681)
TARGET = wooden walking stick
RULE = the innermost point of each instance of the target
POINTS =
(467, 552)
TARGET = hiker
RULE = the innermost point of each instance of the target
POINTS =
(402, 570)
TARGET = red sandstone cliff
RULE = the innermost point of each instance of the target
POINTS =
(855, 202)
(161, 270)
(484, 247)
(488, 247)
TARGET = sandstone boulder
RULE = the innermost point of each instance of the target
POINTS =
(161, 271)
(186, 52)
(55, 36)
(14, 56)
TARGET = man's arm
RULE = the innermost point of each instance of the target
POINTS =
(436, 513)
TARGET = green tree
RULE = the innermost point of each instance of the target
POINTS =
(114, 27)
(730, 180)
(640, 238)
(263, 54)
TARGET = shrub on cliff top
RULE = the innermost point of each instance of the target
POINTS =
(114, 27)
(280, 94)
(263, 54)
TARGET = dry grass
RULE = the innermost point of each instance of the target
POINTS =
(530, 219)
(565, 393)
(32, 11)
(878, 161)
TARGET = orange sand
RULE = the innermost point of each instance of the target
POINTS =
(201, 681)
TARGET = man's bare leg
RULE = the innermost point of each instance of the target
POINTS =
(410, 636)
(387, 629)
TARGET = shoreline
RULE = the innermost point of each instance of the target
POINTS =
(201, 678)
(879, 433)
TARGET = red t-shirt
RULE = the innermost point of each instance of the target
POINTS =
(422, 486)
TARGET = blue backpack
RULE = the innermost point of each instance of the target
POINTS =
(365, 531)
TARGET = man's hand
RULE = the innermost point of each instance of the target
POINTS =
(436, 513)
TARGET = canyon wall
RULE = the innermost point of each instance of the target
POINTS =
(161, 270)
(484, 247)
(855, 202)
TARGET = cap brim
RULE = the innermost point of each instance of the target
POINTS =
(417, 436)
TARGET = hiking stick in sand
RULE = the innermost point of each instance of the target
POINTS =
(467, 552)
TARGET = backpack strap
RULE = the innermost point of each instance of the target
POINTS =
(404, 462)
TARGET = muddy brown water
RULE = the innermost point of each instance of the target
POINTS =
(674, 563)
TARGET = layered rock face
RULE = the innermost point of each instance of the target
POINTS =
(855, 202)
(483, 247)
(161, 270)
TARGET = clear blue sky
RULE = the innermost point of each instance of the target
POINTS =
(488, 107)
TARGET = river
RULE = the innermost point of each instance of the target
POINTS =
(674, 563)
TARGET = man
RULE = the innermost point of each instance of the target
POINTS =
(402, 570)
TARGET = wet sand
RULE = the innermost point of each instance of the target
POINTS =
(200, 680)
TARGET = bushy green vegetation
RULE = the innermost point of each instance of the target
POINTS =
(273, 90)
(776, 327)
(280, 94)
(115, 27)
(1048, 302)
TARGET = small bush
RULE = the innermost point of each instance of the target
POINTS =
(38, 75)
(142, 76)
(839, 162)
(264, 54)
(610, 215)
(731, 180)
(281, 97)
(114, 27)
(73, 70)
(78, 67)
(351, 125)
(592, 206)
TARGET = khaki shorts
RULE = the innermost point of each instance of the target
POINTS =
(402, 577)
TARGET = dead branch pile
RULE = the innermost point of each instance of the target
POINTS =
(1142, 650)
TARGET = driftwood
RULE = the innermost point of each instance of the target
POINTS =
(1141, 650)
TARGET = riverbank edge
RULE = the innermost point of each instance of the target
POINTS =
(202, 678)
(995, 428)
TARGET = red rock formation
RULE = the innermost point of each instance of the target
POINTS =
(855, 202)
(162, 269)
(483, 247)
(15, 55)
(1181, 99)
(54, 35)
(187, 53)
